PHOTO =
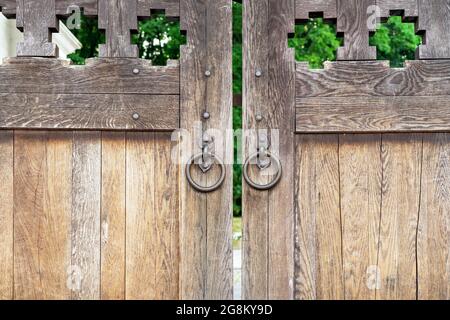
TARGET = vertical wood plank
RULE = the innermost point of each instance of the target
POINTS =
(254, 203)
(140, 216)
(166, 226)
(113, 216)
(360, 180)
(280, 110)
(219, 279)
(42, 208)
(433, 252)
(318, 251)
(37, 19)
(86, 195)
(401, 160)
(6, 214)
(193, 208)
(352, 21)
(434, 20)
(118, 18)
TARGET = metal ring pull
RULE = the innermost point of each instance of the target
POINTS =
(270, 185)
(194, 184)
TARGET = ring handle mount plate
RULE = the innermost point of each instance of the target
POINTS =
(198, 187)
(263, 187)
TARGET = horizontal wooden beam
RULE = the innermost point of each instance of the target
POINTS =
(90, 7)
(373, 114)
(374, 78)
(89, 111)
(43, 75)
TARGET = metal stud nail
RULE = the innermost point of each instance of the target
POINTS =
(259, 117)
(206, 115)
(258, 73)
(136, 116)
(207, 73)
(136, 71)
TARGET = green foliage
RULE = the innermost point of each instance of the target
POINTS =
(159, 39)
(237, 48)
(90, 37)
(237, 110)
(315, 42)
(395, 41)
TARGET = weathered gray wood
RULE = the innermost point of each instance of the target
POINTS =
(352, 20)
(8, 7)
(86, 199)
(171, 7)
(374, 78)
(205, 270)
(118, 18)
(37, 19)
(254, 203)
(37, 75)
(6, 215)
(407, 7)
(280, 110)
(193, 205)
(304, 9)
(434, 19)
(219, 281)
(373, 114)
(83, 111)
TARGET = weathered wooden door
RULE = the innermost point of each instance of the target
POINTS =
(363, 208)
(93, 202)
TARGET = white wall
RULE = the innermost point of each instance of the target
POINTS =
(10, 36)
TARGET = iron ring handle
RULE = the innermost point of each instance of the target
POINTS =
(198, 187)
(270, 185)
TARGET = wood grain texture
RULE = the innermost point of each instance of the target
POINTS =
(140, 221)
(434, 220)
(305, 8)
(89, 111)
(89, 7)
(37, 19)
(6, 215)
(206, 269)
(193, 205)
(86, 211)
(360, 201)
(318, 238)
(374, 78)
(166, 226)
(352, 21)
(373, 114)
(118, 18)
(171, 7)
(434, 20)
(113, 216)
(408, 8)
(42, 209)
(219, 278)
(280, 110)
(402, 165)
(38, 75)
(255, 266)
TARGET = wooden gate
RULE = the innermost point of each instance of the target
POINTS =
(92, 204)
(363, 208)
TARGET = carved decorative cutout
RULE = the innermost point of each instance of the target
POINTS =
(353, 23)
(118, 18)
(37, 19)
(304, 8)
(170, 7)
